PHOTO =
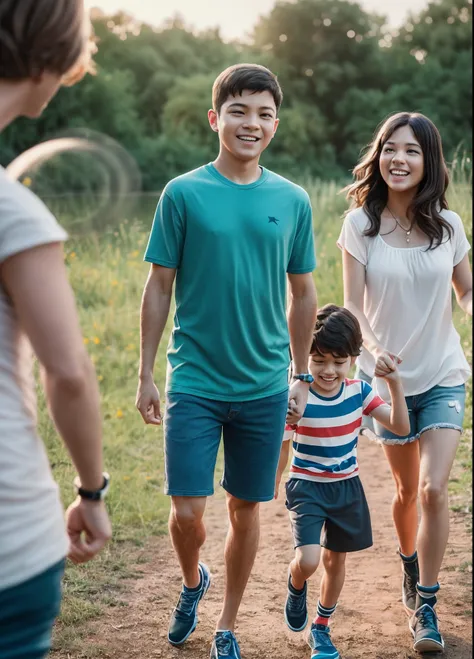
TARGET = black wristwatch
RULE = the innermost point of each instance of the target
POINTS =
(304, 377)
(93, 495)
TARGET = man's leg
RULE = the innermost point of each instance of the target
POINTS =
(192, 436)
(188, 533)
(240, 551)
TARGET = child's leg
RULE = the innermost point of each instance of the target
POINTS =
(304, 565)
(331, 584)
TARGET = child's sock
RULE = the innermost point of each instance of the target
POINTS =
(426, 595)
(295, 591)
(324, 614)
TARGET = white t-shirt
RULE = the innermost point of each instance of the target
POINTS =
(408, 303)
(32, 530)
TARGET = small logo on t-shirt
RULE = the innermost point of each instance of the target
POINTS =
(273, 220)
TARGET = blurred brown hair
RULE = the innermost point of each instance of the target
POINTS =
(44, 35)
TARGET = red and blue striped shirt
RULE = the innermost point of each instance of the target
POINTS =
(325, 438)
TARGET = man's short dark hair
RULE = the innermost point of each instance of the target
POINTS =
(40, 35)
(337, 332)
(252, 77)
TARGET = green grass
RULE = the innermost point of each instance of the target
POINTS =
(108, 274)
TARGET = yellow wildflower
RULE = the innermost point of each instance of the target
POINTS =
(27, 181)
(96, 340)
(86, 340)
(119, 414)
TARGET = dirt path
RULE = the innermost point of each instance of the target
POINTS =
(369, 622)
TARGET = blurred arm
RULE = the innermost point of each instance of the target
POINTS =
(37, 283)
(462, 284)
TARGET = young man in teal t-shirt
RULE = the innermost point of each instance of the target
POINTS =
(232, 234)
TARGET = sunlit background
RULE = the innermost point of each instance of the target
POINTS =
(343, 67)
(234, 19)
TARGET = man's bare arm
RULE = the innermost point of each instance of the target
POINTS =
(301, 319)
(156, 302)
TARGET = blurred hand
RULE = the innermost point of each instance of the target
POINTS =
(89, 529)
(298, 399)
(385, 363)
(148, 401)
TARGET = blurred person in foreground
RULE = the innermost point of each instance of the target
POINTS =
(43, 44)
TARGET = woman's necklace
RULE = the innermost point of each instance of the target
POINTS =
(407, 231)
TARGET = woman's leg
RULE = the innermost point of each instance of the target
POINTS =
(404, 461)
(438, 450)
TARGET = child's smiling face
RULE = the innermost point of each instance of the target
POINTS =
(329, 372)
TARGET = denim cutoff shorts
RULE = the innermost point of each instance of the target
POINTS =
(439, 407)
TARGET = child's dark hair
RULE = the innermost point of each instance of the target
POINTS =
(235, 79)
(337, 332)
(370, 191)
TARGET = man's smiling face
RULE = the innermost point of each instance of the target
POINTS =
(246, 124)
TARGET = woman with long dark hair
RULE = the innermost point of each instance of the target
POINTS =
(403, 253)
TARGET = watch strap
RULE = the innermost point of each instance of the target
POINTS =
(93, 495)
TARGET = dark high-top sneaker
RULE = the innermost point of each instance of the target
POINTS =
(411, 575)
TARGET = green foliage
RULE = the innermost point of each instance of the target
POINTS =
(342, 71)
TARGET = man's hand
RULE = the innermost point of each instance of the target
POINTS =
(89, 529)
(385, 362)
(298, 399)
(148, 401)
(277, 486)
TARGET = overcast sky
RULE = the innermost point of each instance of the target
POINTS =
(236, 18)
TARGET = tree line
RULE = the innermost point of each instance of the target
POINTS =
(342, 70)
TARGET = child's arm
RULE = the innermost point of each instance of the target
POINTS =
(395, 417)
(284, 453)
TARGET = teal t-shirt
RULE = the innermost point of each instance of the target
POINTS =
(232, 246)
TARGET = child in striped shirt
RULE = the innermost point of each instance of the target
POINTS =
(325, 497)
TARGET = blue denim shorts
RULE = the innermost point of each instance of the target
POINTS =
(252, 432)
(27, 614)
(439, 407)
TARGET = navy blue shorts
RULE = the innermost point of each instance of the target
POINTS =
(251, 430)
(334, 515)
(27, 614)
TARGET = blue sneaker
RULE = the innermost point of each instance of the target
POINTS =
(225, 646)
(424, 627)
(320, 642)
(296, 612)
(184, 618)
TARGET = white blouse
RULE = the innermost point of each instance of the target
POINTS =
(408, 303)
